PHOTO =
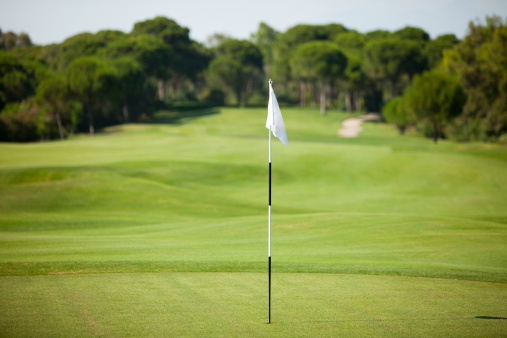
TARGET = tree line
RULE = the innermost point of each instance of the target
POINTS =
(90, 81)
(465, 95)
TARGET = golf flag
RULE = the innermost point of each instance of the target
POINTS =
(275, 120)
(275, 124)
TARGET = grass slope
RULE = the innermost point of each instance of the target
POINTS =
(191, 198)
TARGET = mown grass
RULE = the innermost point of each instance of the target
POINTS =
(166, 219)
(331, 243)
(233, 304)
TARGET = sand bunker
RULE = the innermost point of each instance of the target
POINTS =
(352, 126)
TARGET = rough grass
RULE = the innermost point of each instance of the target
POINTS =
(356, 223)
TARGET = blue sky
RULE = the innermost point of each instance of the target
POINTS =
(52, 21)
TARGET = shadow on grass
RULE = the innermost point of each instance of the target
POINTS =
(488, 317)
(177, 117)
(401, 319)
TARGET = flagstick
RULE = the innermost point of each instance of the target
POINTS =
(269, 232)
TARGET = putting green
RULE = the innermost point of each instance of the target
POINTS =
(235, 304)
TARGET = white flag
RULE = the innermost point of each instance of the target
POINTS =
(275, 119)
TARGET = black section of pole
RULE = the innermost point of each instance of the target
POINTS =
(269, 305)
(269, 183)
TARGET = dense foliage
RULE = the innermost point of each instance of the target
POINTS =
(465, 95)
(434, 98)
(90, 81)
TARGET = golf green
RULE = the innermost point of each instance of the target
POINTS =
(161, 230)
(234, 304)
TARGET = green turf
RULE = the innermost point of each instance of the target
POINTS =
(233, 304)
(186, 203)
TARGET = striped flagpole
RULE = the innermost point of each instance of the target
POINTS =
(275, 126)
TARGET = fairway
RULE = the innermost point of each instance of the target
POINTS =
(160, 229)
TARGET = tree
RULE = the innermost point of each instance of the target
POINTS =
(249, 58)
(351, 42)
(18, 127)
(480, 62)
(11, 40)
(154, 56)
(288, 42)
(265, 39)
(197, 58)
(88, 78)
(435, 98)
(226, 73)
(189, 57)
(166, 29)
(354, 81)
(129, 82)
(244, 51)
(301, 34)
(215, 39)
(53, 98)
(413, 34)
(109, 36)
(378, 34)
(435, 48)
(321, 62)
(396, 113)
(331, 31)
(387, 60)
(78, 46)
(17, 79)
